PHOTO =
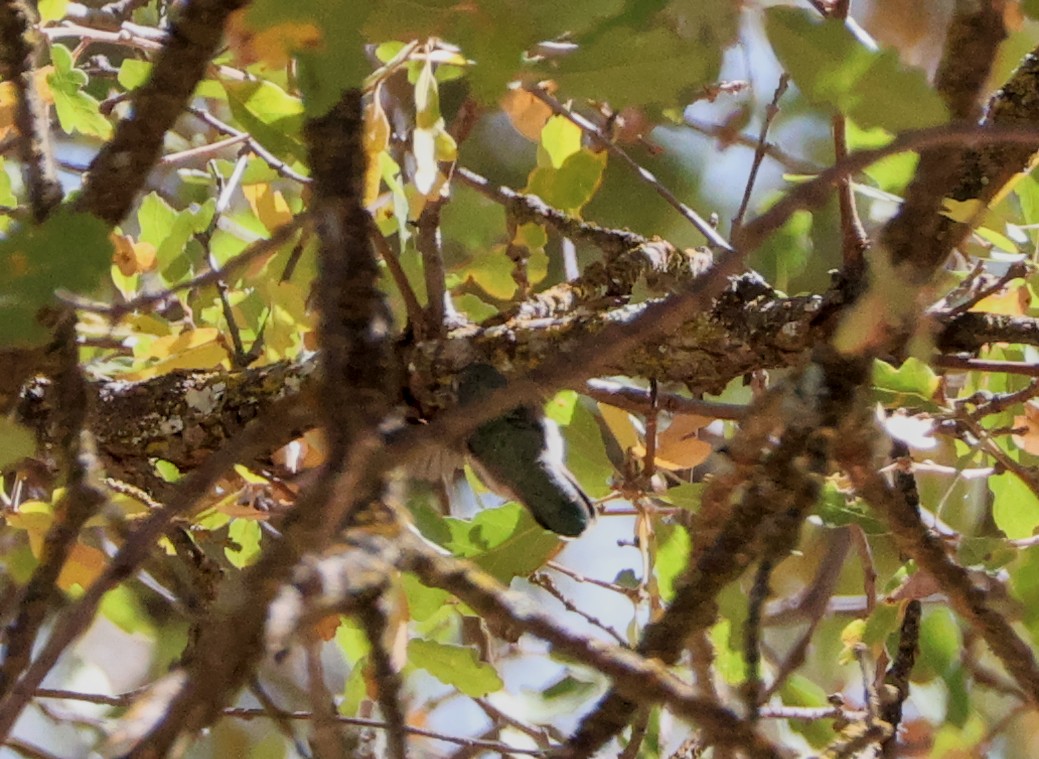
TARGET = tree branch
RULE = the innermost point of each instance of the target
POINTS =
(121, 169)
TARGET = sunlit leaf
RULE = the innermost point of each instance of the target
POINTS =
(526, 113)
(69, 251)
(77, 111)
(1015, 507)
(269, 114)
(831, 66)
(456, 666)
(245, 536)
(504, 542)
(16, 442)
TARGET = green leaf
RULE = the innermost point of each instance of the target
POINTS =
(941, 640)
(423, 601)
(246, 534)
(562, 406)
(1024, 585)
(586, 453)
(568, 693)
(52, 10)
(7, 196)
(831, 67)
(504, 542)
(798, 690)
(1015, 507)
(269, 114)
(77, 111)
(492, 271)
(476, 309)
(122, 607)
(355, 690)
(837, 508)
(133, 73)
(167, 471)
(169, 230)
(456, 666)
(907, 385)
(686, 496)
(573, 184)
(560, 139)
(69, 251)
(673, 547)
(729, 661)
(786, 252)
(16, 442)
(653, 58)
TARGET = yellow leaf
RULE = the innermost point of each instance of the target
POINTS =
(269, 205)
(35, 517)
(618, 421)
(964, 211)
(201, 348)
(851, 636)
(376, 138)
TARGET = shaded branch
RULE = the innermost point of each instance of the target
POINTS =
(644, 679)
(18, 55)
(118, 173)
(916, 541)
(82, 499)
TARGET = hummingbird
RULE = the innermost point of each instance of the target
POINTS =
(520, 455)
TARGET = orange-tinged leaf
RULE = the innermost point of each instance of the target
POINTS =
(1012, 301)
(132, 257)
(83, 566)
(9, 98)
(268, 204)
(1028, 440)
(325, 628)
(678, 447)
(526, 113)
(273, 45)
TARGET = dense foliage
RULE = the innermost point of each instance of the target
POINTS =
(769, 266)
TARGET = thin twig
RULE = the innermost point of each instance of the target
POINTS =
(716, 241)
(251, 442)
(638, 400)
(771, 111)
(964, 364)
(789, 162)
(258, 249)
(279, 166)
(325, 736)
(386, 678)
(248, 713)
